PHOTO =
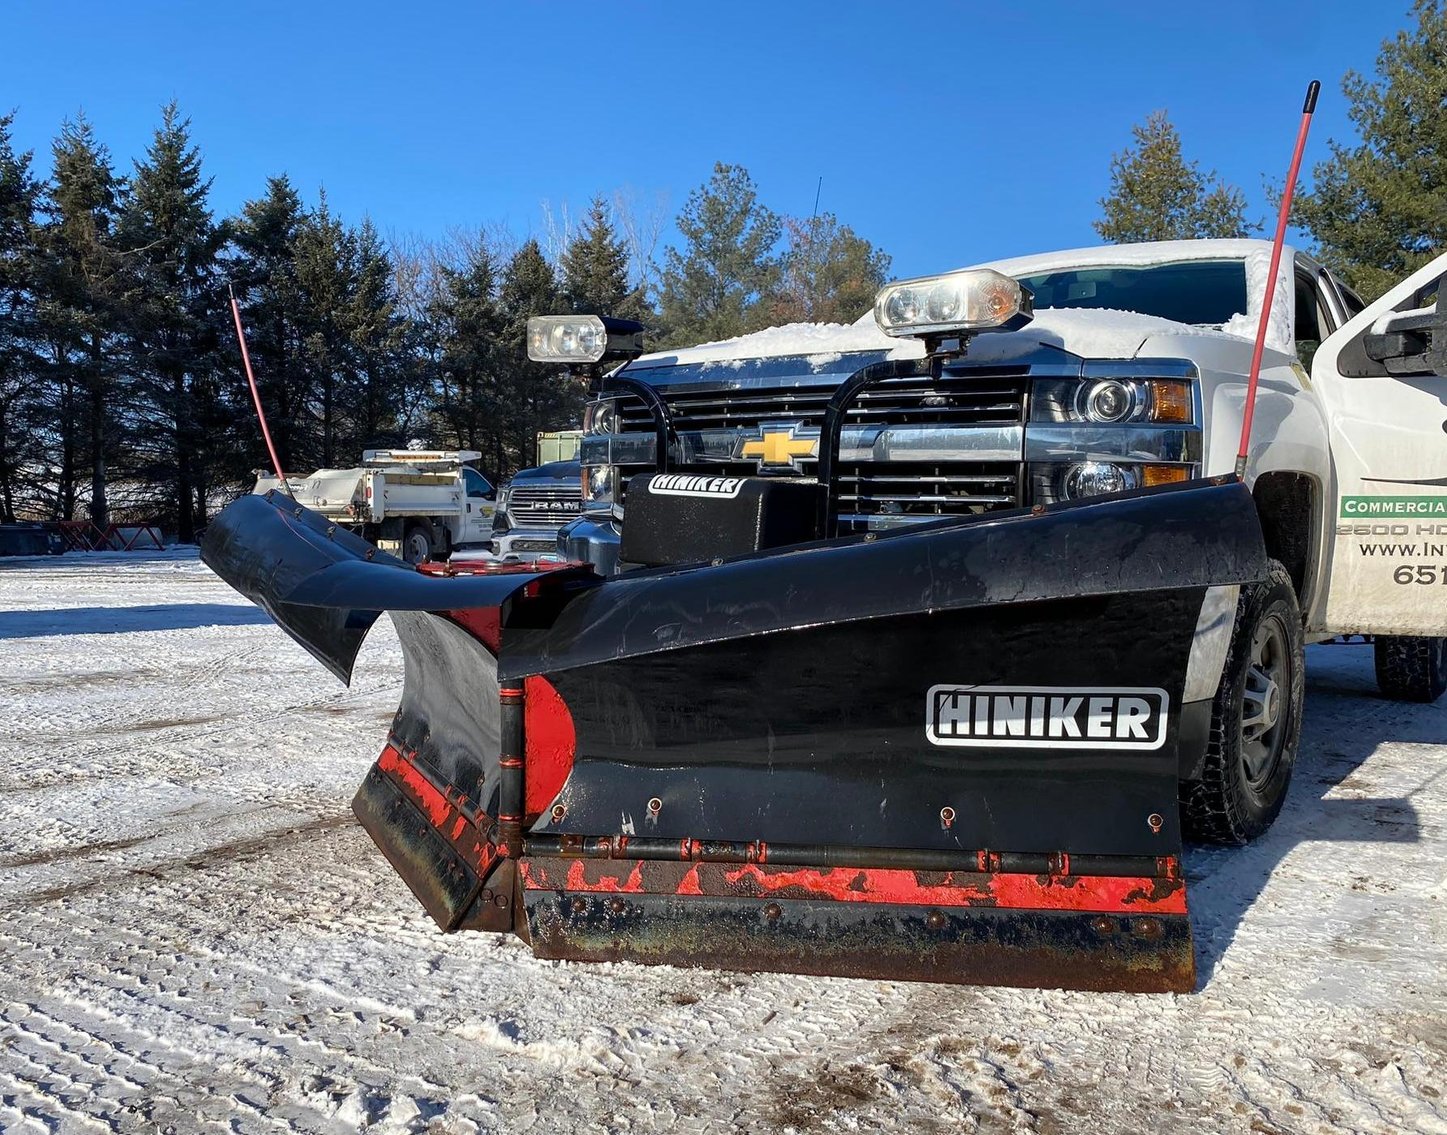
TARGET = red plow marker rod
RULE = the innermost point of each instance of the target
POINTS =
(1312, 90)
(255, 394)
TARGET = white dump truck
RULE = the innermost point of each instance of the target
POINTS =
(421, 503)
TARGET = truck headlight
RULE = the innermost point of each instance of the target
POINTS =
(1059, 481)
(1096, 478)
(582, 338)
(1108, 400)
(976, 300)
(601, 417)
(599, 484)
(1113, 401)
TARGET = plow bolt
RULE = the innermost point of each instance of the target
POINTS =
(559, 811)
(579, 907)
(1147, 928)
(1155, 822)
(936, 920)
(1103, 926)
(947, 817)
(655, 806)
(617, 905)
(773, 912)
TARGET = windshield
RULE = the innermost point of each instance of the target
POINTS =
(1195, 291)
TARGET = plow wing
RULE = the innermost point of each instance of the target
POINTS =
(945, 753)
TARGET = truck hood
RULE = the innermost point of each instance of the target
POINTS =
(1094, 333)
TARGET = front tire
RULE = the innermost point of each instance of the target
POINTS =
(1410, 668)
(1255, 719)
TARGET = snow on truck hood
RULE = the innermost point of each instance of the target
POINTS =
(1088, 332)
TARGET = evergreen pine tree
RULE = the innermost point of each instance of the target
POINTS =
(720, 283)
(829, 274)
(1378, 210)
(373, 401)
(172, 242)
(20, 398)
(263, 272)
(464, 326)
(594, 267)
(325, 264)
(535, 396)
(1155, 194)
(82, 282)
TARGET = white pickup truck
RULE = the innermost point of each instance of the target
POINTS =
(1119, 368)
(421, 503)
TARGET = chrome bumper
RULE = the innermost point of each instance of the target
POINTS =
(525, 543)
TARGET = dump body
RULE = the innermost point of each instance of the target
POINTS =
(417, 502)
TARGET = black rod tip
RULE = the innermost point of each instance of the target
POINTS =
(1312, 90)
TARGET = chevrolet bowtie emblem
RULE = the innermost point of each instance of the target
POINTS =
(779, 447)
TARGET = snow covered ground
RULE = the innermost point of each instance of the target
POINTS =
(195, 935)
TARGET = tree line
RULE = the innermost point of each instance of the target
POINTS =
(122, 396)
(121, 392)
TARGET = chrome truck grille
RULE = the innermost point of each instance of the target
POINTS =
(972, 399)
(554, 505)
(964, 458)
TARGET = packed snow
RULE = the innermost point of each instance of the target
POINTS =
(197, 936)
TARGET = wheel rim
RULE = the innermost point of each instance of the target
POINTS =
(417, 548)
(1265, 702)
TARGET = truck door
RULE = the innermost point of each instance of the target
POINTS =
(480, 503)
(1383, 381)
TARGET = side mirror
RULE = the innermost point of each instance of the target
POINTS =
(1411, 342)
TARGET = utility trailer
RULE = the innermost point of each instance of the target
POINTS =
(418, 503)
(911, 648)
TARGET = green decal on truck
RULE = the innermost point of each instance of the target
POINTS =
(1394, 506)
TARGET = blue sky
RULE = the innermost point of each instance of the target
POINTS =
(945, 133)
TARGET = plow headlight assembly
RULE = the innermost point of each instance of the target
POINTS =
(976, 300)
(582, 339)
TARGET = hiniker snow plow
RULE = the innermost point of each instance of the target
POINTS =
(946, 753)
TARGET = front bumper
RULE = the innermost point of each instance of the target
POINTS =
(593, 539)
(525, 543)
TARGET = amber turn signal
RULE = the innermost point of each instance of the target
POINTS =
(1152, 475)
(1170, 400)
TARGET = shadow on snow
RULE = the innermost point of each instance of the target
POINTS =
(1223, 882)
(117, 620)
